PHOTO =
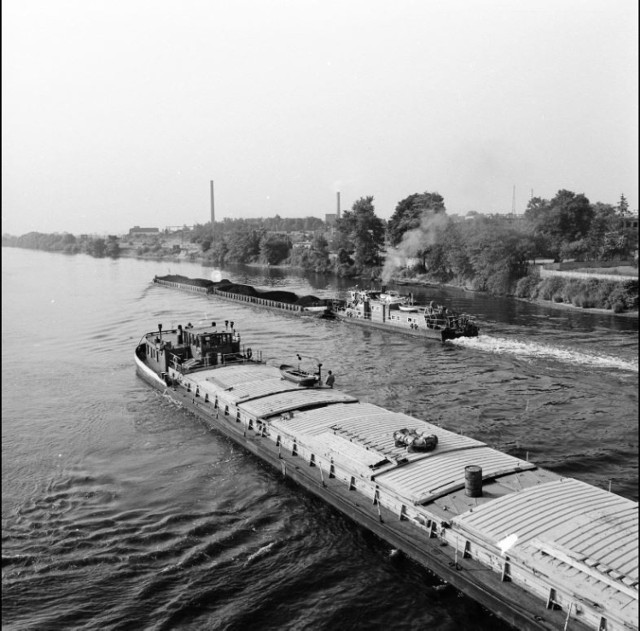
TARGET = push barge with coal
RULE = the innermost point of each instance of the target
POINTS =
(539, 550)
(365, 308)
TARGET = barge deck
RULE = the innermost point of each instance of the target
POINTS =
(539, 550)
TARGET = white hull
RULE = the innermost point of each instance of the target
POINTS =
(149, 375)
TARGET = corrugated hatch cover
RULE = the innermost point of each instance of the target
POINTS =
(256, 389)
(358, 459)
(243, 383)
(373, 427)
(293, 400)
(563, 531)
(231, 376)
(429, 478)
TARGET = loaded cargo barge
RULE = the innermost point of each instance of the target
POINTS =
(539, 550)
(365, 308)
(277, 300)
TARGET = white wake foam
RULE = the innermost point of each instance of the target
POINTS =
(503, 346)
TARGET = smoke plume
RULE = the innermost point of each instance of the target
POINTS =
(413, 243)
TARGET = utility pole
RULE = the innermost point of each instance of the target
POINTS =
(213, 207)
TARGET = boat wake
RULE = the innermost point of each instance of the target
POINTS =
(533, 350)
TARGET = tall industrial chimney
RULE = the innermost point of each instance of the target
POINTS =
(338, 210)
(213, 207)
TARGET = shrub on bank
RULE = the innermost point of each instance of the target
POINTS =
(582, 299)
(527, 287)
(572, 292)
(601, 292)
(587, 293)
(624, 297)
(550, 288)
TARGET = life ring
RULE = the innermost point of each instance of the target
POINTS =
(249, 353)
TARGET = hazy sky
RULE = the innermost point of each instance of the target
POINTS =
(119, 112)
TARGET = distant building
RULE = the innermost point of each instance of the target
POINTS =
(137, 231)
(331, 219)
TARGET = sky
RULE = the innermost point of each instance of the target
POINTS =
(119, 113)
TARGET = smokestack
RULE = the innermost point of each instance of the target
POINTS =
(213, 207)
(338, 209)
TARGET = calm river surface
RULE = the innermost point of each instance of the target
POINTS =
(120, 511)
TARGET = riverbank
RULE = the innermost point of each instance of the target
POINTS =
(553, 304)
(588, 293)
(421, 281)
(418, 282)
(585, 293)
(565, 306)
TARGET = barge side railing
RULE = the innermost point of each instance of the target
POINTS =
(255, 300)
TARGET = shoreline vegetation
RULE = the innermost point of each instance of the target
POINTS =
(591, 249)
(587, 291)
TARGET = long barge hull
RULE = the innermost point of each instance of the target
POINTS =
(573, 563)
(211, 289)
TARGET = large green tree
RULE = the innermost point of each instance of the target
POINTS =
(360, 233)
(499, 254)
(315, 258)
(454, 240)
(605, 220)
(275, 248)
(623, 206)
(318, 253)
(97, 247)
(112, 246)
(243, 245)
(409, 214)
(560, 222)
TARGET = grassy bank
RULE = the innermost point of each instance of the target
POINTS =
(585, 293)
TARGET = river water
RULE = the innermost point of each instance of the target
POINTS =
(120, 511)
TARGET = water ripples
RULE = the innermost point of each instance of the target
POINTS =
(121, 510)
